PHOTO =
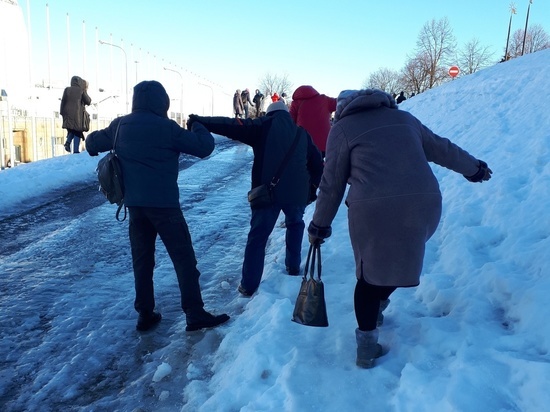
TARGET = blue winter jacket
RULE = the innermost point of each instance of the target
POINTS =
(271, 137)
(148, 146)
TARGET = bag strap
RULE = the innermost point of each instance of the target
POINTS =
(277, 175)
(116, 137)
(122, 204)
(118, 212)
(314, 254)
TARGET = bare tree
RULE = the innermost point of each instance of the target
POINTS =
(275, 83)
(436, 44)
(536, 39)
(385, 79)
(474, 57)
(415, 75)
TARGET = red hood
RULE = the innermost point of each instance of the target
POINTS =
(304, 92)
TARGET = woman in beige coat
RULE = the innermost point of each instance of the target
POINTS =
(394, 201)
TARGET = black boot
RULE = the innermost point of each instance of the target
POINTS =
(202, 319)
(147, 321)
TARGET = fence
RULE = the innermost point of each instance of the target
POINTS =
(36, 138)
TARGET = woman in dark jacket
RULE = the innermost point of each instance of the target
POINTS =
(73, 105)
(394, 199)
(238, 107)
(271, 137)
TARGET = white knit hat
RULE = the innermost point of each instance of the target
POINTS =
(276, 106)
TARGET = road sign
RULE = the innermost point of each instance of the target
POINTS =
(453, 71)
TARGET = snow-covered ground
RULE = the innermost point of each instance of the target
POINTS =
(474, 336)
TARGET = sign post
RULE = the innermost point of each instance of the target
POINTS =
(453, 71)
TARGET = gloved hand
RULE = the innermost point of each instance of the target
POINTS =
(483, 174)
(317, 235)
(190, 120)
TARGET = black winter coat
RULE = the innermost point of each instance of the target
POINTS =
(73, 104)
(271, 137)
(148, 146)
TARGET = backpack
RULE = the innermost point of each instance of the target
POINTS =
(109, 175)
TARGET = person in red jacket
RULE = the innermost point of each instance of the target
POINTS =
(313, 111)
(275, 97)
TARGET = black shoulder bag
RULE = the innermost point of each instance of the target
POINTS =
(262, 196)
(109, 174)
(310, 308)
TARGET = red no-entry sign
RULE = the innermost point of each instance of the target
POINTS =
(453, 71)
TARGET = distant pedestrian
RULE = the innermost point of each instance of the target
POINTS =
(274, 97)
(313, 112)
(73, 105)
(238, 107)
(271, 137)
(148, 145)
(283, 97)
(247, 103)
(382, 155)
(258, 100)
(400, 98)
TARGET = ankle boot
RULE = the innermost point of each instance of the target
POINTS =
(201, 319)
(383, 305)
(368, 348)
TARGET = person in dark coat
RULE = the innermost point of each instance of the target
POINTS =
(258, 100)
(400, 98)
(73, 104)
(245, 96)
(313, 112)
(394, 201)
(148, 145)
(271, 137)
(238, 107)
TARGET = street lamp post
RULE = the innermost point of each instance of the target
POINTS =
(512, 12)
(126, 65)
(181, 93)
(212, 92)
(526, 22)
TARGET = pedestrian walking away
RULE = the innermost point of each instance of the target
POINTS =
(238, 106)
(394, 200)
(247, 103)
(271, 138)
(148, 145)
(313, 112)
(73, 106)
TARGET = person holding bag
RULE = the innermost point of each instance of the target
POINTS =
(73, 110)
(394, 201)
(286, 162)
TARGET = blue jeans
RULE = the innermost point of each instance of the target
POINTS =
(73, 138)
(262, 223)
(145, 224)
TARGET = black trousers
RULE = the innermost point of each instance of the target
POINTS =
(145, 224)
(367, 299)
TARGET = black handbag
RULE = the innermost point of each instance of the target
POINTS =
(310, 308)
(85, 121)
(263, 195)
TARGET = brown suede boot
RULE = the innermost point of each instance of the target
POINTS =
(368, 348)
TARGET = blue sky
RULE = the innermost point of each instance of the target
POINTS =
(330, 45)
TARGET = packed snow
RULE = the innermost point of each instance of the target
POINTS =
(474, 336)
